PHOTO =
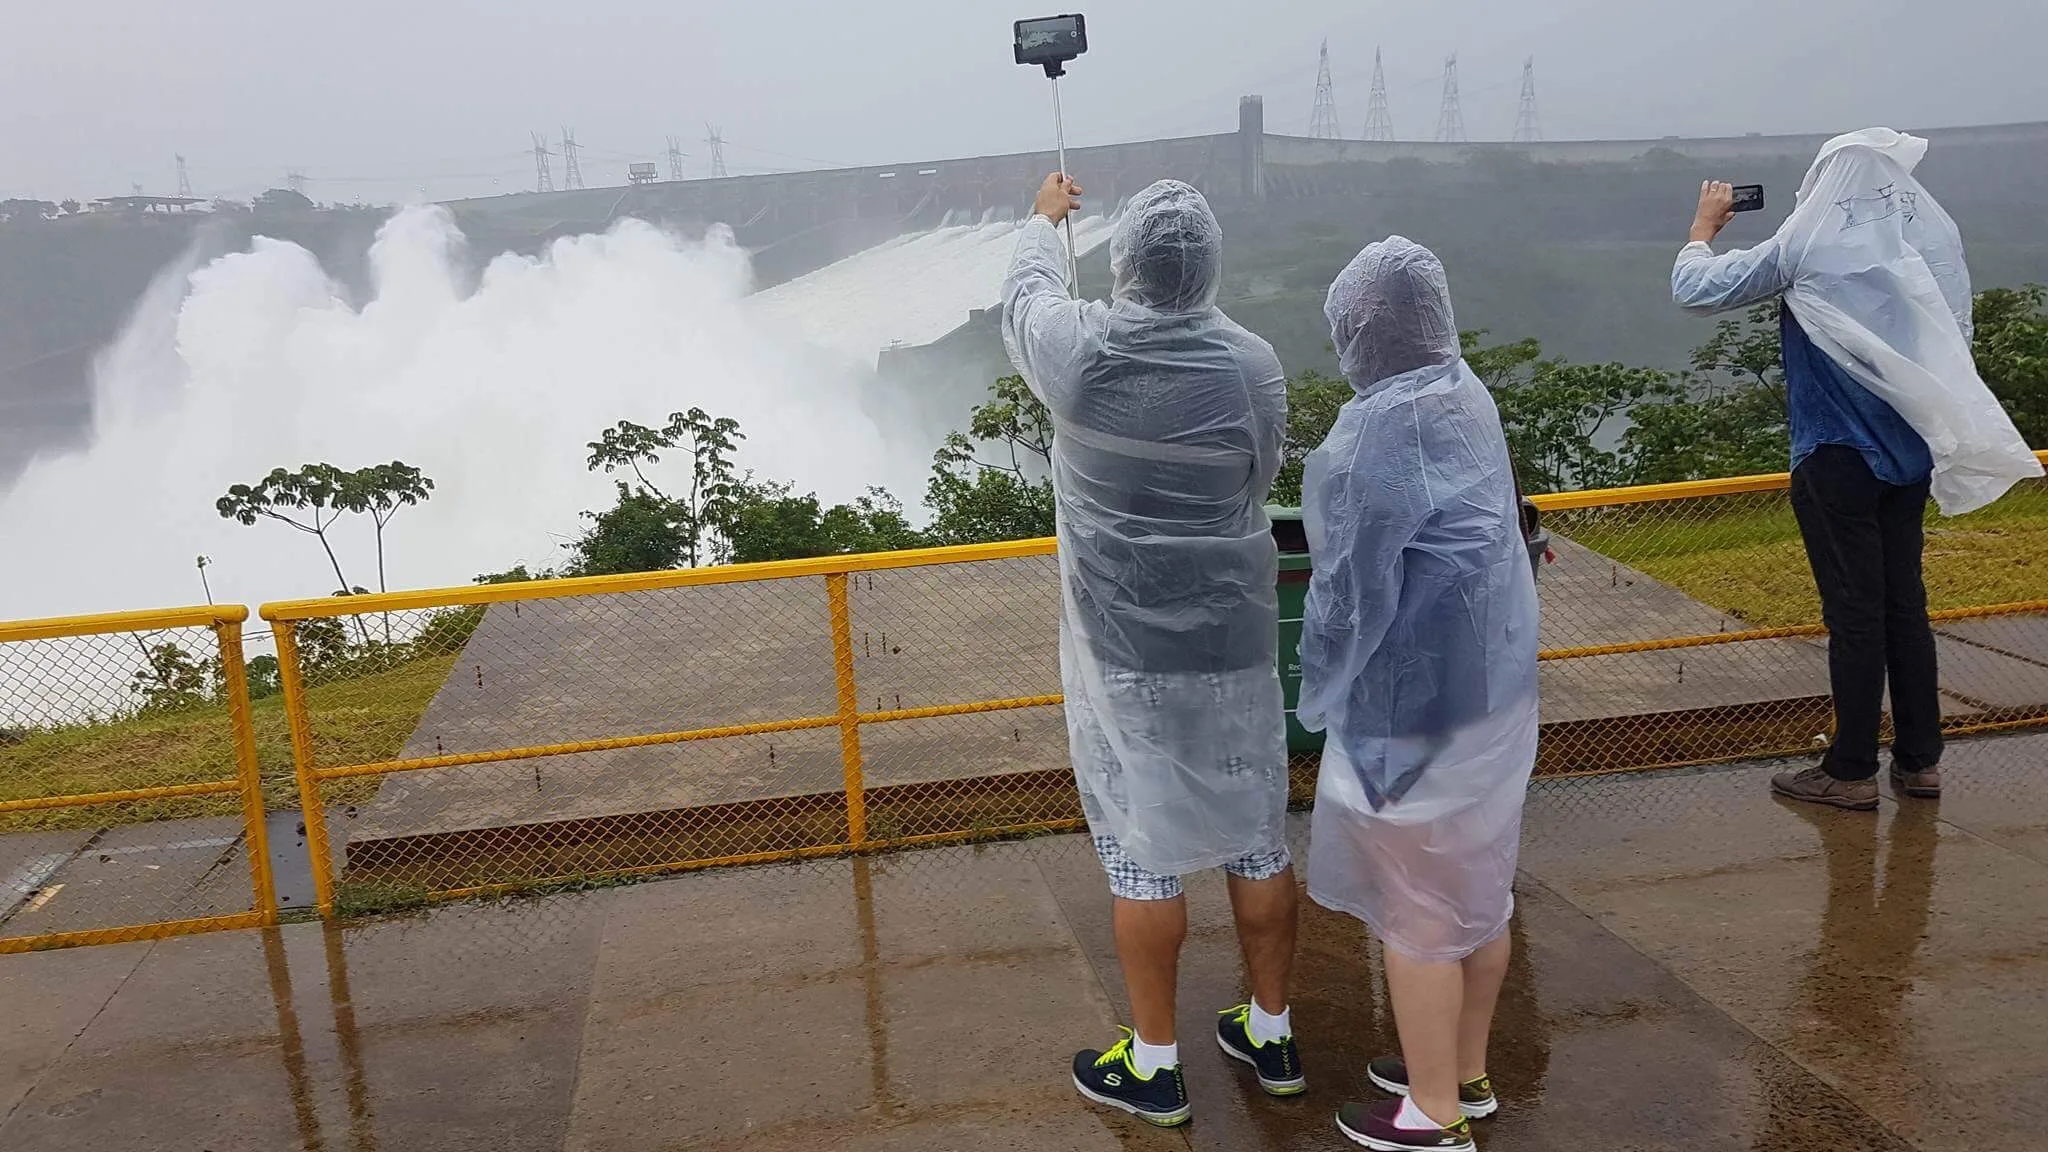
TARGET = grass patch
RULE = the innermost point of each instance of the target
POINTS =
(1747, 560)
(365, 718)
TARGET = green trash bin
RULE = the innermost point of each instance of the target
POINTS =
(1293, 543)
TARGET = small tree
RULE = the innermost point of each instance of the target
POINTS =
(707, 504)
(2011, 345)
(1747, 352)
(1552, 420)
(974, 499)
(309, 500)
(1313, 401)
(770, 522)
(643, 532)
(380, 491)
(263, 677)
(172, 679)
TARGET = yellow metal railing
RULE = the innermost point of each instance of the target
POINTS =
(491, 738)
(847, 717)
(73, 673)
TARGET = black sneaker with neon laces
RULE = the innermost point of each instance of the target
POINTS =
(1475, 1096)
(1112, 1078)
(1278, 1062)
(1372, 1125)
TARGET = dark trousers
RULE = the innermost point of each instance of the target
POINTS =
(1863, 539)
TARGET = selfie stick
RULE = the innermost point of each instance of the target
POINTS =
(1051, 41)
(1059, 128)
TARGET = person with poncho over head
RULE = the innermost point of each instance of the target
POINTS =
(1885, 407)
(1418, 661)
(1167, 427)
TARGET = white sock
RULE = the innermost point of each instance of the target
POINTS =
(1412, 1118)
(1150, 1058)
(1266, 1029)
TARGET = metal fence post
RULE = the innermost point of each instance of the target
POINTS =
(256, 838)
(849, 710)
(293, 682)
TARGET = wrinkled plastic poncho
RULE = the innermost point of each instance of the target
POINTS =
(1167, 421)
(1418, 646)
(1873, 270)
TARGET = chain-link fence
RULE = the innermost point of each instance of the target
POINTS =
(567, 732)
(1681, 624)
(571, 732)
(130, 800)
(564, 732)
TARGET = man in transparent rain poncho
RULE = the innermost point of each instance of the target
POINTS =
(1885, 406)
(1168, 420)
(1418, 659)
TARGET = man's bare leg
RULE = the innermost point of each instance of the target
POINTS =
(1149, 934)
(1267, 913)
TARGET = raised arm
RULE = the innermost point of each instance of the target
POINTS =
(1042, 324)
(1704, 282)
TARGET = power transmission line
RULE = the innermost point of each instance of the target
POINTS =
(1379, 122)
(572, 170)
(543, 174)
(184, 181)
(1322, 122)
(1528, 129)
(716, 144)
(1450, 121)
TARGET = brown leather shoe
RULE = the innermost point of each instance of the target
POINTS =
(1815, 786)
(1921, 785)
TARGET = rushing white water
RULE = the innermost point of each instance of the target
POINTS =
(258, 360)
(491, 384)
(911, 290)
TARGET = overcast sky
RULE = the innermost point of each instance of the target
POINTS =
(383, 99)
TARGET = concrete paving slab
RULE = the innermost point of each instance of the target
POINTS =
(141, 874)
(1992, 678)
(882, 981)
(50, 998)
(1993, 787)
(463, 1025)
(1695, 968)
(1592, 599)
(1587, 1032)
(1026, 1126)
(2024, 636)
(1639, 683)
(1817, 930)
(185, 1055)
(28, 860)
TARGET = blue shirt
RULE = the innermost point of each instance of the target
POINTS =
(1824, 404)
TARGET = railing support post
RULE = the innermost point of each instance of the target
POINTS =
(849, 710)
(255, 835)
(292, 680)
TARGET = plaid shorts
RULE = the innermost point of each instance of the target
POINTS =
(1131, 881)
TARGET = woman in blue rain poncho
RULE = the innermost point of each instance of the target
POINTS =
(1418, 656)
(1167, 423)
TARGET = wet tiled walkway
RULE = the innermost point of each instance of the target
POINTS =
(1698, 967)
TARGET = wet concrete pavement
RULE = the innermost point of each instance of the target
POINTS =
(1698, 966)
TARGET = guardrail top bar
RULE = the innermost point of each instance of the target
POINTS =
(469, 594)
(202, 616)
